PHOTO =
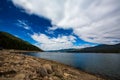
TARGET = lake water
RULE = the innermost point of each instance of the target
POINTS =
(97, 63)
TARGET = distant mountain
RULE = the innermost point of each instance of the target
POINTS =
(65, 50)
(103, 49)
(95, 49)
(8, 41)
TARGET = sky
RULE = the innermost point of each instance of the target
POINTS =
(62, 24)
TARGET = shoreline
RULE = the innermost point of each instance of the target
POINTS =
(46, 72)
(16, 51)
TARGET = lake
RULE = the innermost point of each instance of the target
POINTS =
(104, 64)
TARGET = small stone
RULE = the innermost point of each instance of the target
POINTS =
(42, 72)
(20, 76)
(1, 59)
(66, 74)
(56, 78)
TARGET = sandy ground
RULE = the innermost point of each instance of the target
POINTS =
(21, 67)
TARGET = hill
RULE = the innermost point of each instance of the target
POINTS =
(96, 49)
(8, 41)
(103, 49)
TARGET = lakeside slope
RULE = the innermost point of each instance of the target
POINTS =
(21, 67)
(9, 41)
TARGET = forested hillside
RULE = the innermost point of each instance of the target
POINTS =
(8, 41)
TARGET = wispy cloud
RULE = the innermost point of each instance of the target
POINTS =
(23, 24)
(96, 21)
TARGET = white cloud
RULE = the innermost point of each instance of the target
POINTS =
(61, 42)
(23, 25)
(101, 31)
(47, 43)
(96, 21)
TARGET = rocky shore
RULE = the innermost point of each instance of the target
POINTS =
(21, 67)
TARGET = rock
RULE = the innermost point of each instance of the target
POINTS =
(48, 68)
(1, 59)
(55, 78)
(54, 67)
(19, 76)
(7, 73)
(66, 74)
(42, 72)
(58, 71)
(1, 64)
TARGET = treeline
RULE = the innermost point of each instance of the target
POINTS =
(8, 41)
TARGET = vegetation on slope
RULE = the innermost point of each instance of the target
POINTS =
(8, 41)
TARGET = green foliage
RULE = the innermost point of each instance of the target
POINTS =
(8, 41)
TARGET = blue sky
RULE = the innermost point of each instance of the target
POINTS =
(61, 24)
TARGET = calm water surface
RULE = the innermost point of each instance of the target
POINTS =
(98, 63)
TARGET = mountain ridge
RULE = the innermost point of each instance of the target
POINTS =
(96, 49)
